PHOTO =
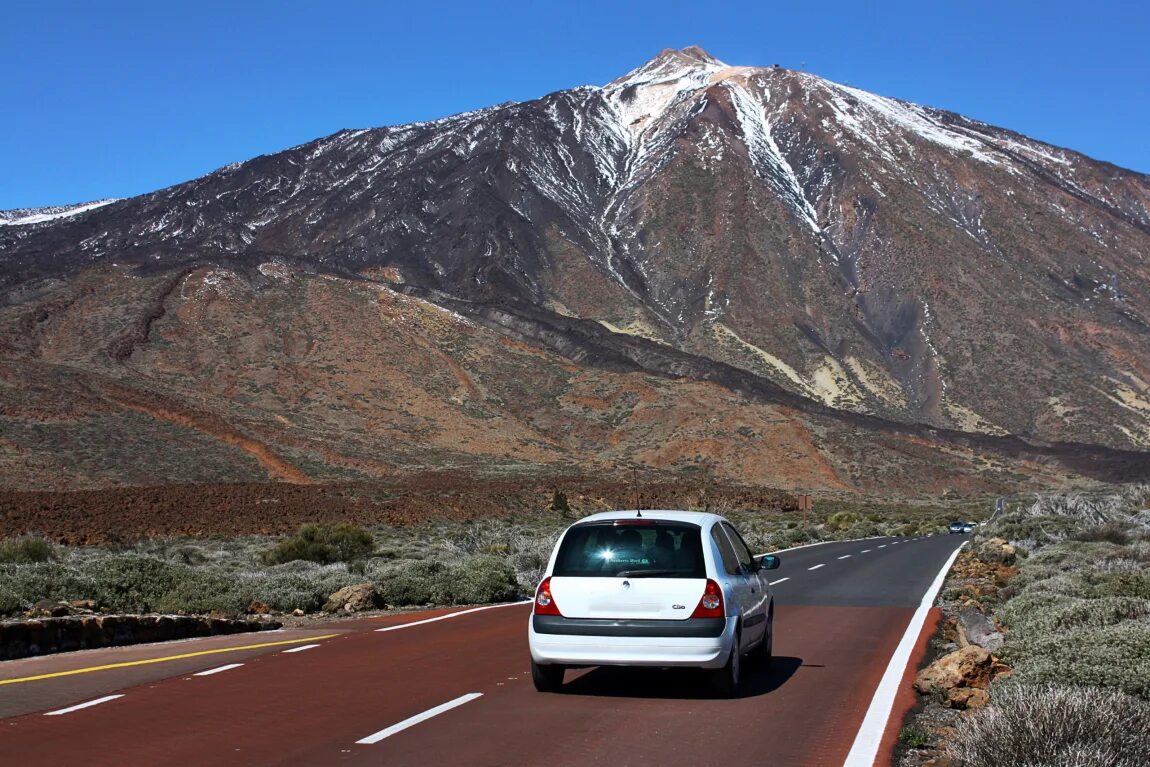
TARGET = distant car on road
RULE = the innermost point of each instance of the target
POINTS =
(960, 527)
(664, 588)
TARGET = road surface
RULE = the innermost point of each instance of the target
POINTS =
(456, 689)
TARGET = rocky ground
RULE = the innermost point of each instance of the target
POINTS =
(961, 660)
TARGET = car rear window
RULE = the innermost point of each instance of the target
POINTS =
(629, 549)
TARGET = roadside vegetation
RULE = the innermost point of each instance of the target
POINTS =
(1075, 622)
(433, 562)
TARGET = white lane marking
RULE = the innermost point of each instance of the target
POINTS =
(882, 546)
(816, 567)
(865, 551)
(820, 543)
(218, 669)
(301, 648)
(845, 556)
(414, 720)
(79, 706)
(869, 737)
(780, 580)
(452, 615)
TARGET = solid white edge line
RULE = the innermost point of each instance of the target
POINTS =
(79, 706)
(414, 720)
(869, 737)
(780, 580)
(301, 648)
(816, 567)
(453, 615)
(218, 669)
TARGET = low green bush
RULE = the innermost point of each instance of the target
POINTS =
(1116, 656)
(323, 544)
(22, 585)
(479, 580)
(25, 550)
(1047, 611)
(1031, 725)
(131, 583)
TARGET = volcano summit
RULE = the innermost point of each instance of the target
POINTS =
(747, 274)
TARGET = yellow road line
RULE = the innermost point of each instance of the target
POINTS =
(147, 661)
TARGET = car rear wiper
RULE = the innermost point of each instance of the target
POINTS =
(644, 573)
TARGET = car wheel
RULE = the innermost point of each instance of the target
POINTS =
(762, 654)
(546, 678)
(725, 681)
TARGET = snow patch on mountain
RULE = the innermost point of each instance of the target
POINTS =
(24, 216)
(768, 158)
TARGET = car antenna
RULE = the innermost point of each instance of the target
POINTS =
(635, 487)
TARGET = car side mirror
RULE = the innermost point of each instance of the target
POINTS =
(769, 562)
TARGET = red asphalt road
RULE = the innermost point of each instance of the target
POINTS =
(309, 708)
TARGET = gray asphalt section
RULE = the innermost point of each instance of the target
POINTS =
(895, 575)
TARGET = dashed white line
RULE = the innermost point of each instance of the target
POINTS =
(865, 551)
(845, 556)
(79, 706)
(816, 567)
(414, 720)
(301, 648)
(452, 615)
(780, 580)
(882, 546)
(218, 669)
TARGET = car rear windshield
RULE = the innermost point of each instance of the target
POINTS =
(631, 549)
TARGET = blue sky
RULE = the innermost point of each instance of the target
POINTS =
(113, 99)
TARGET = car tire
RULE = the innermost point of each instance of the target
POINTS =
(726, 680)
(547, 678)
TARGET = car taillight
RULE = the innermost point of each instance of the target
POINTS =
(544, 602)
(711, 603)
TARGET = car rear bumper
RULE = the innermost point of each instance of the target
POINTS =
(699, 643)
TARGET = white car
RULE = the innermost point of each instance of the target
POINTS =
(652, 588)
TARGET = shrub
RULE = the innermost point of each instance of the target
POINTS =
(1111, 532)
(559, 502)
(1047, 611)
(483, 580)
(27, 549)
(842, 520)
(323, 544)
(474, 581)
(306, 590)
(202, 592)
(133, 583)
(1032, 725)
(1033, 532)
(1115, 656)
(22, 585)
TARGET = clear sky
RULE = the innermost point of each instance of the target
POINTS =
(112, 99)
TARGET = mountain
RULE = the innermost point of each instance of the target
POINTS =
(746, 273)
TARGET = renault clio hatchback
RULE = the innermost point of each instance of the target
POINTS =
(652, 588)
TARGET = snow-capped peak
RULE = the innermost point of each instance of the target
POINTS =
(643, 95)
(668, 66)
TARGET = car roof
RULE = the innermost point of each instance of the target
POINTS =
(671, 515)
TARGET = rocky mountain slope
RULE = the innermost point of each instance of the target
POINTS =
(747, 273)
